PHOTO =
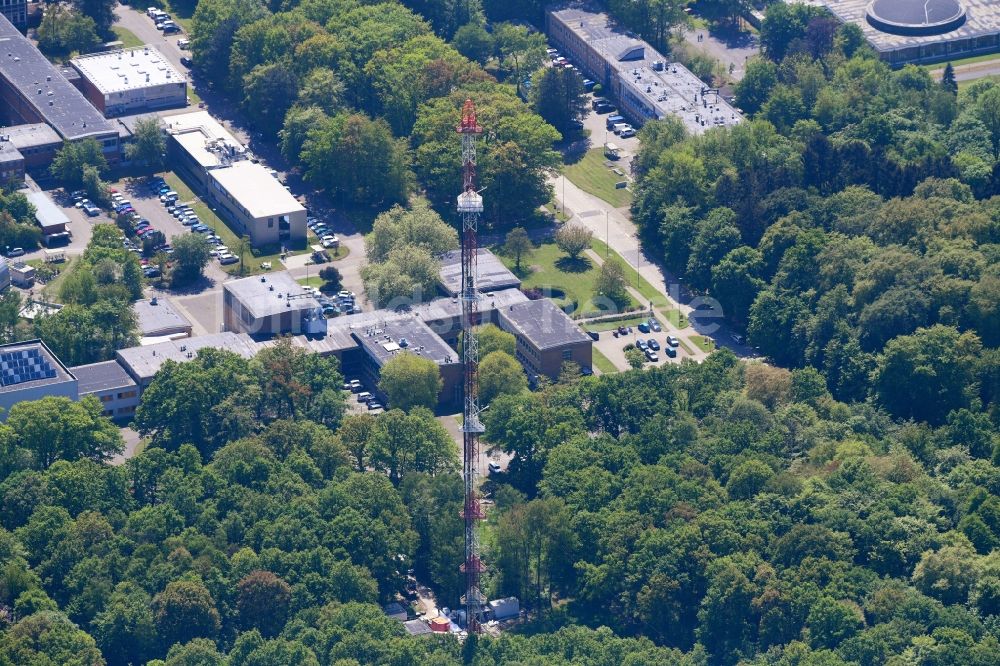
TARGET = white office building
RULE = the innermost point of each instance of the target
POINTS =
(130, 81)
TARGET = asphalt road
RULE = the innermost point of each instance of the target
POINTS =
(136, 21)
(972, 71)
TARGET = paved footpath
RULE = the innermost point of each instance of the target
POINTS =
(614, 226)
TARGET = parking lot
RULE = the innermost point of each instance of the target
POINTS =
(614, 347)
(148, 205)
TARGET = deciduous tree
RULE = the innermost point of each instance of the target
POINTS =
(411, 381)
(573, 239)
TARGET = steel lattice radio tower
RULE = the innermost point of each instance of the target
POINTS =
(470, 206)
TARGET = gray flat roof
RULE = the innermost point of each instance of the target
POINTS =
(144, 362)
(267, 295)
(542, 323)
(9, 152)
(404, 334)
(31, 135)
(127, 69)
(159, 319)
(98, 377)
(449, 308)
(492, 274)
(661, 86)
(417, 628)
(47, 213)
(30, 364)
(53, 97)
(982, 19)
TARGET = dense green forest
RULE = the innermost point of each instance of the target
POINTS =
(844, 511)
(700, 514)
(375, 85)
(850, 226)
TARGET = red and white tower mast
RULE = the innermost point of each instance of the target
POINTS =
(470, 207)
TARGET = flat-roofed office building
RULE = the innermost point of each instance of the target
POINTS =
(33, 91)
(37, 143)
(30, 371)
(130, 81)
(271, 305)
(111, 385)
(546, 337)
(252, 201)
(645, 84)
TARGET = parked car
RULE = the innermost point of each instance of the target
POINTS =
(653, 344)
(168, 197)
(16, 252)
(183, 43)
(171, 28)
(151, 272)
(494, 468)
(670, 351)
(652, 356)
(672, 341)
(655, 325)
(187, 62)
(91, 210)
(594, 335)
(229, 259)
(641, 344)
(373, 405)
(365, 396)
(643, 327)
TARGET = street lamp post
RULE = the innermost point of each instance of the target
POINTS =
(607, 234)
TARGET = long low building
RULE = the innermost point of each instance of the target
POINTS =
(251, 200)
(32, 90)
(645, 84)
(492, 275)
(111, 385)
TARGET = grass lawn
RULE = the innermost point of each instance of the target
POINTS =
(648, 291)
(591, 175)
(963, 61)
(705, 343)
(127, 37)
(603, 363)
(600, 326)
(252, 261)
(685, 346)
(179, 10)
(311, 281)
(570, 283)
